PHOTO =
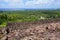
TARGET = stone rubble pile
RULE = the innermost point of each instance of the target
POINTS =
(37, 30)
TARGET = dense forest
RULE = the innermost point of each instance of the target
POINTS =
(27, 15)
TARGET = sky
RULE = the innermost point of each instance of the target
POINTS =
(36, 4)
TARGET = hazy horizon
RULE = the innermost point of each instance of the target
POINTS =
(29, 4)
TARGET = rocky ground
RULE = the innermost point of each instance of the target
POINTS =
(45, 30)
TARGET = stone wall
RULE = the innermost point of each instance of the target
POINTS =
(28, 30)
(24, 25)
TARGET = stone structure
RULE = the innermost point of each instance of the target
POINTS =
(36, 30)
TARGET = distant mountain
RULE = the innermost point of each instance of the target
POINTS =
(14, 9)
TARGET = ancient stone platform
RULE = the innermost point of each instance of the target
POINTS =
(35, 30)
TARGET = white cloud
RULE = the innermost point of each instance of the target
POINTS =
(5, 0)
(12, 3)
(29, 3)
(44, 1)
(38, 2)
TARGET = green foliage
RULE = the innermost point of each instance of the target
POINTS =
(27, 15)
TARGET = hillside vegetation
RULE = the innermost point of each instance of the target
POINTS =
(27, 15)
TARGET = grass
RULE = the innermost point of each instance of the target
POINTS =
(27, 15)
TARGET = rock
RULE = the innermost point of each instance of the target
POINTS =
(37, 30)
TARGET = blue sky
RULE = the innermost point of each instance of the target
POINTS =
(41, 4)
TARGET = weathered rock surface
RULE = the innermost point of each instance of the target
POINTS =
(37, 30)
